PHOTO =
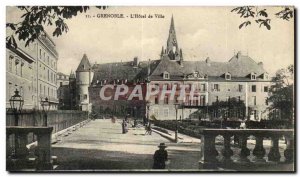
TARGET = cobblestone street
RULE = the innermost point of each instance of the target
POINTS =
(101, 145)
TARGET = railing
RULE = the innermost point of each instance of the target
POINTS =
(18, 156)
(209, 152)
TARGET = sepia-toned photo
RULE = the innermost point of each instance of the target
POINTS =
(150, 89)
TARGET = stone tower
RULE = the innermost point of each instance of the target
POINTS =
(84, 76)
(72, 88)
(172, 49)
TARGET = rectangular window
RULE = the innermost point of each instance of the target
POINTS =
(266, 101)
(60, 83)
(9, 89)
(10, 65)
(85, 96)
(203, 87)
(156, 99)
(240, 88)
(166, 112)
(253, 88)
(202, 100)
(166, 76)
(166, 100)
(217, 99)
(266, 88)
(254, 100)
(216, 87)
(176, 99)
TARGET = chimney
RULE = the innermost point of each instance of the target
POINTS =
(239, 54)
(135, 62)
(207, 60)
(181, 59)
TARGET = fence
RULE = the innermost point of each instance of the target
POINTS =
(58, 120)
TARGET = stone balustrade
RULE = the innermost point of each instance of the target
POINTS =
(210, 156)
(18, 156)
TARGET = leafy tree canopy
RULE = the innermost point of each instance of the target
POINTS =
(260, 16)
(282, 92)
(35, 18)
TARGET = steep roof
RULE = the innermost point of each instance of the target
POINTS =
(84, 64)
(237, 66)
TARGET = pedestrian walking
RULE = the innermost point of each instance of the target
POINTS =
(124, 127)
(148, 129)
(160, 157)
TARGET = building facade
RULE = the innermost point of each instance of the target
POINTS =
(206, 84)
(32, 71)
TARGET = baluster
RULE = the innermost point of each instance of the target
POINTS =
(245, 152)
(208, 152)
(8, 146)
(44, 150)
(227, 151)
(289, 152)
(274, 154)
(20, 145)
(259, 150)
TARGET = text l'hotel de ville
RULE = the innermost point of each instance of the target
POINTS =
(136, 15)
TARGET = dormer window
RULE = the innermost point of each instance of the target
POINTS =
(253, 76)
(265, 76)
(166, 75)
(227, 76)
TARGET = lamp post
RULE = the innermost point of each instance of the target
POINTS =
(176, 128)
(16, 104)
(148, 104)
(45, 106)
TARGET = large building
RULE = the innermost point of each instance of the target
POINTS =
(241, 79)
(32, 71)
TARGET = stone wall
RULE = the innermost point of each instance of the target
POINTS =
(59, 119)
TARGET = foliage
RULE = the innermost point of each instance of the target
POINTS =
(260, 16)
(282, 92)
(226, 109)
(35, 18)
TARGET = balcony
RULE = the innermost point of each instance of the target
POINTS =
(211, 158)
(18, 156)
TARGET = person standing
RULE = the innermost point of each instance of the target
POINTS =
(160, 157)
(124, 127)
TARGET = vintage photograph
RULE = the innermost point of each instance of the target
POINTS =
(150, 89)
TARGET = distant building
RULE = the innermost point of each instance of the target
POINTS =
(241, 79)
(32, 71)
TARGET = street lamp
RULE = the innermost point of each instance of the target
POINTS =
(16, 104)
(148, 104)
(176, 128)
(45, 106)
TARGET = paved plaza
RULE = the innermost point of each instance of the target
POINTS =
(101, 145)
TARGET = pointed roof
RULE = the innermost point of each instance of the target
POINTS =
(72, 75)
(84, 64)
(172, 40)
(172, 26)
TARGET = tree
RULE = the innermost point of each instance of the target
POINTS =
(35, 18)
(261, 16)
(282, 93)
(229, 109)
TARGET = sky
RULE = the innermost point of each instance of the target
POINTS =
(201, 32)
